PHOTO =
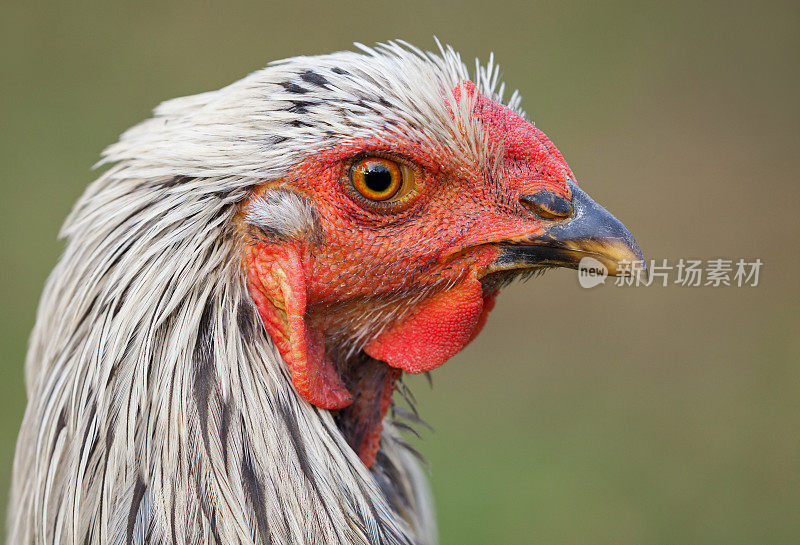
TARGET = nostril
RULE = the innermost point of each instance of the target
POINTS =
(547, 204)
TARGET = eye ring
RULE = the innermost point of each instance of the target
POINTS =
(381, 183)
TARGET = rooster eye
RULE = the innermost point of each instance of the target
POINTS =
(379, 179)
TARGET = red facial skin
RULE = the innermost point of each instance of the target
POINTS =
(420, 265)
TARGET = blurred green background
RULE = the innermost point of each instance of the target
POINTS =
(606, 416)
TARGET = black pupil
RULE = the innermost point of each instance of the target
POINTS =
(378, 178)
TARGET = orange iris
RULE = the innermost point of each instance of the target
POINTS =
(378, 178)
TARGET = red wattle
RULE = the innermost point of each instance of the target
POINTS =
(439, 328)
(277, 283)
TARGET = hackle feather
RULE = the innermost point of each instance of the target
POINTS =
(159, 411)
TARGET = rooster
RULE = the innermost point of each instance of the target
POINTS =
(216, 353)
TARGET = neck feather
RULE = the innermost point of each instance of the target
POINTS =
(160, 412)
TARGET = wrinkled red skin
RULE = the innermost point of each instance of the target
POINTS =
(369, 413)
(308, 292)
(277, 283)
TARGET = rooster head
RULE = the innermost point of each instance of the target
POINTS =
(383, 251)
(241, 290)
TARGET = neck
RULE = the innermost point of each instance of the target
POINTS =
(372, 383)
(159, 407)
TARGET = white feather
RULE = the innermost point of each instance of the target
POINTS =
(120, 393)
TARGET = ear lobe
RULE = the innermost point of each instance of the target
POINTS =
(277, 283)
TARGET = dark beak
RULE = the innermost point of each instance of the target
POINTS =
(590, 231)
